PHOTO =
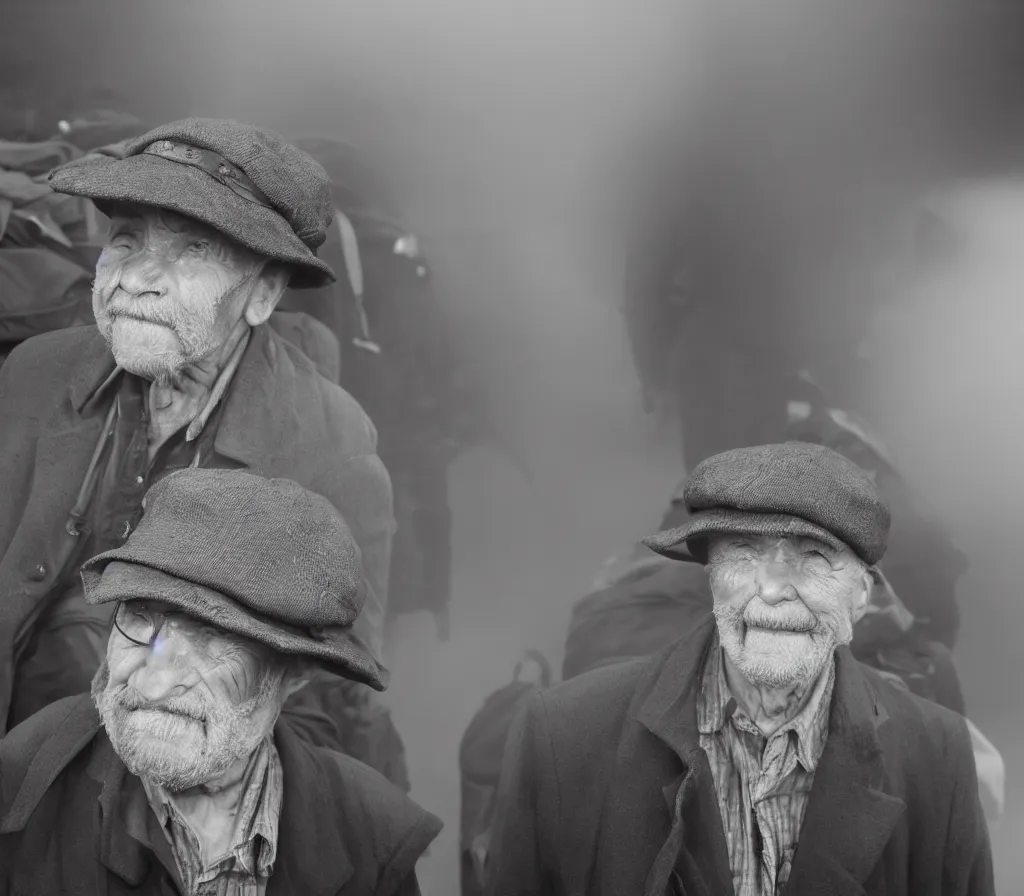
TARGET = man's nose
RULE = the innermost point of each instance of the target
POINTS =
(166, 671)
(775, 583)
(143, 276)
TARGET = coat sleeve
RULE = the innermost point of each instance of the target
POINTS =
(967, 867)
(526, 816)
(17, 440)
(360, 488)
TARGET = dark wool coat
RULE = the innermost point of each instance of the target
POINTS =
(344, 830)
(606, 792)
(280, 419)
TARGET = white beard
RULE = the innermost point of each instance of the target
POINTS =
(175, 751)
(779, 659)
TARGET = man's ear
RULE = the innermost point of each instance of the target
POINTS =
(267, 291)
(863, 595)
(299, 674)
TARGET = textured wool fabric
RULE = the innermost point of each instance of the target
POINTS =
(794, 489)
(294, 184)
(263, 558)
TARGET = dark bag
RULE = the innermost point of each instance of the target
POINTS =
(480, 758)
(655, 603)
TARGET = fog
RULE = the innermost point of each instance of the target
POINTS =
(511, 128)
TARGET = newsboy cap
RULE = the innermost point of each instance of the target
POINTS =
(262, 558)
(246, 182)
(794, 489)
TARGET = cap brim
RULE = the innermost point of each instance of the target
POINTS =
(689, 541)
(337, 648)
(151, 180)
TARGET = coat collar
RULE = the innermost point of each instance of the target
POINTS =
(312, 855)
(849, 817)
(666, 704)
(851, 813)
(257, 407)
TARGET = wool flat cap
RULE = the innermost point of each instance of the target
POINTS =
(262, 558)
(792, 489)
(246, 182)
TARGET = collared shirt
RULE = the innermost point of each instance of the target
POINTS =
(762, 784)
(249, 861)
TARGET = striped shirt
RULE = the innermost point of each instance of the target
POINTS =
(245, 868)
(762, 783)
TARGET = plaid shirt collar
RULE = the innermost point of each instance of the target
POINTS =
(254, 840)
(716, 706)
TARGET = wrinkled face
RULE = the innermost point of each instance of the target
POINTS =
(181, 711)
(783, 605)
(169, 290)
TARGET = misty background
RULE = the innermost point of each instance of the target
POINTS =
(515, 131)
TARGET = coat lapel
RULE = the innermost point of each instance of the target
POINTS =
(313, 856)
(695, 851)
(259, 407)
(850, 817)
(122, 850)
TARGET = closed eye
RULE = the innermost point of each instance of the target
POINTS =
(120, 241)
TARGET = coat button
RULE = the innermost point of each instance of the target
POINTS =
(38, 573)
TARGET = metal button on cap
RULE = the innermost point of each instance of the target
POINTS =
(38, 573)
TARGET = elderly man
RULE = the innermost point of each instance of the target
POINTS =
(210, 221)
(175, 776)
(755, 756)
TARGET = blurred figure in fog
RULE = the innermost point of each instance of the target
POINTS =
(922, 563)
(210, 221)
(756, 755)
(400, 361)
(230, 592)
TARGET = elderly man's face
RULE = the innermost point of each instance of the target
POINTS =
(784, 604)
(181, 711)
(169, 290)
